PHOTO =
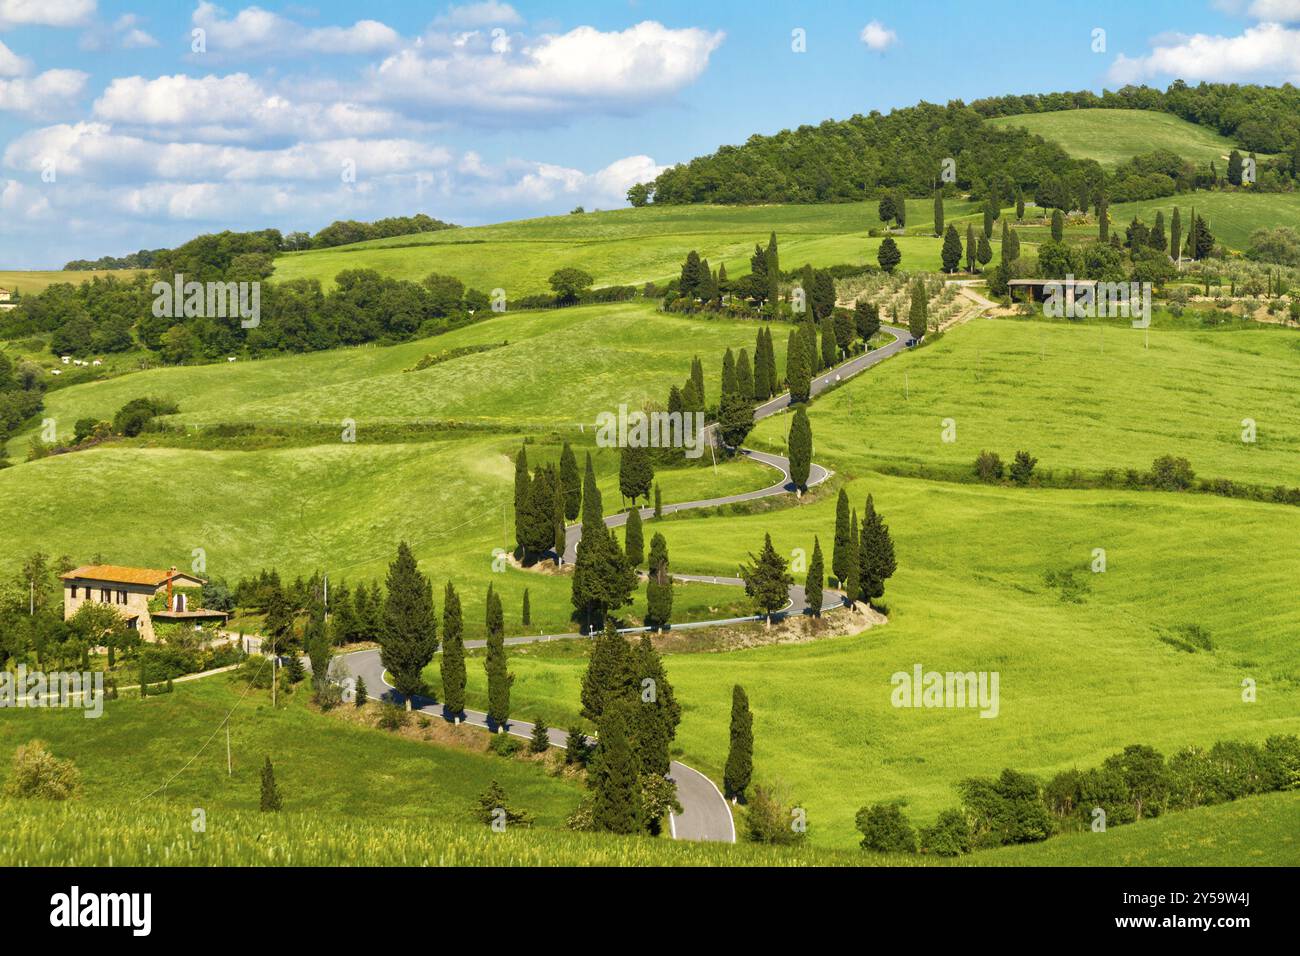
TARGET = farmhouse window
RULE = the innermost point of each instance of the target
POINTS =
(121, 597)
(105, 595)
(74, 592)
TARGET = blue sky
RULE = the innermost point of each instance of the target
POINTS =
(115, 134)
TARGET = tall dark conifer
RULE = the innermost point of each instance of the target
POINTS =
(813, 583)
(452, 664)
(571, 481)
(740, 753)
(499, 678)
(634, 546)
(410, 635)
(840, 554)
(799, 446)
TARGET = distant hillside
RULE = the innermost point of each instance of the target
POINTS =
(865, 156)
(1112, 136)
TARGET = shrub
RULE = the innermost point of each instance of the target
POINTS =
(255, 671)
(1104, 788)
(988, 467)
(294, 672)
(270, 799)
(328, 695)
(578, 749)
(1142, 769)
(492, 810)
(950, 835)
(769, 820)
(1171, 474)
(1023, 467)
(885, 829)
(39, 774)
(505, 745)
(393, 716)
(541, 739)
(1285, 749)
(361, 695)
(1241, 769)
(1009, 809)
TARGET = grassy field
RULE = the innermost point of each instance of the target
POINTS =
(627, 246)
(1078, 680)
(1076, 395)
(323, 765)
(1112, 136)
(30, 282)
(560, 368)
(1232, 217)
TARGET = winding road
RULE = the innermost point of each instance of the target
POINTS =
(706, 814)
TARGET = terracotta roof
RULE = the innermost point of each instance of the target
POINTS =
(121, 575)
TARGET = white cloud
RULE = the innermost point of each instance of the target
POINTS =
(126, 33)
(21, 201)
(877, 36)
(50, 92)
(1264, 51)
(486, 14)
(583, 69)
(11, 64)
(1276, 11)
(257, 32)
(46, 13)
(232, 108)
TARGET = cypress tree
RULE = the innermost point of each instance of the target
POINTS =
(1175, 235)
(744, 375)
(888, 255)
(1020, 206)
(498, 678)
(410, 633)
(853, 579)
(527, 615)
(1103, 218)
(729, 384)
(602, 579)
(840, 554)
(830, 349)
(799, 447)
(876, 548)
(571, 482)
(971, 248)
(772, 262)
(813, 583)
(762, 387)
(1058, 225)
(452, 665)
(990, 216)
(522, 481)
(558, 531)
(951, 253)
(697, 376)
(984, 252)
(798, 374)
(900, 209)
(361, 694)
(1158, 232)
(938, 213)
(1013, 242)
(740, 753)
(659, 509)
(609, 672)
(767, 581)
(617, 806)
(770, 353)
(1005, 248)
(866, 319)
(808, 330)
(692, 275)
(634, 542)
(656, 714)
(918, 314)
(539, 514)
(271, 801)
(659, 586)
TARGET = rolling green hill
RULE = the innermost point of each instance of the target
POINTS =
(627, 246)
(1111, 136)
(30, 282)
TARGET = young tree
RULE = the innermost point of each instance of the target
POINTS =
(799, 446)
(362, 695)
(813, 583)
(271, 801)
(951, 253)
(410, 633)
(571, 482)
(634, 542)
(888, 255)
(740, 753)
(659, 586)
(1020, 206)
(767, 581)
(540, 742)
(876, 553)
(498, 677)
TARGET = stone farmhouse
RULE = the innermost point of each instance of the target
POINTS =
(132, 590)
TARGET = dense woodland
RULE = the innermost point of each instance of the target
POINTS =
(861, 157)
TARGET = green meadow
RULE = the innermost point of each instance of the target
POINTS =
(626, 246)
(1112, 136)
(32, 281)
